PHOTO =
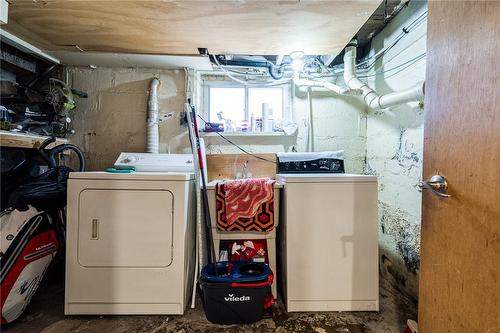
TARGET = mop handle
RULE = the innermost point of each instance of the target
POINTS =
(206, 209)
(197, 135)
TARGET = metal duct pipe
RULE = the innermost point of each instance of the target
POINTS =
(153, 136)
(371, 98)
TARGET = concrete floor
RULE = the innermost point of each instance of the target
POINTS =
(45, 314)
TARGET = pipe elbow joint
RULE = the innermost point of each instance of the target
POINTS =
(375, 103)
(155, 82)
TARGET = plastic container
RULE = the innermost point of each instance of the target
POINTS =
(240, 294)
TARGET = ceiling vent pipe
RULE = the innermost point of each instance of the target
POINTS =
(153, 136)
(371, 98)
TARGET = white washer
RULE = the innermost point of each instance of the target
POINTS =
(329, 242)
(130, 243)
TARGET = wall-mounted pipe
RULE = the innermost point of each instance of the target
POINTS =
(326, 85)
(310, 133)
(371, 98)
(153, 136)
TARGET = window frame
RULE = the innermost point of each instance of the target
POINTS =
(207, 84)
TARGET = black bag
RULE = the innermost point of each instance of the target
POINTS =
(47, 193)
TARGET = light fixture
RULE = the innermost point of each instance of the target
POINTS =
(297, 62)
(297, 65)
(296, 55)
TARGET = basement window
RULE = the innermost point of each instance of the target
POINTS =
(235, 105)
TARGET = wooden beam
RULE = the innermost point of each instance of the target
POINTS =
(23, 140)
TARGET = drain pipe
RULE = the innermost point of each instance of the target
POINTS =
(153, 136)
(326, 85)
(371, 98)
(310, 135)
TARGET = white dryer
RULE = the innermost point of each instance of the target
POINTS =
(329, 242)
(130, 243)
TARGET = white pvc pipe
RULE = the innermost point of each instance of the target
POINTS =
(371, 98)
(310, 135)
(153, 136)
(412, 94)
(327, 85)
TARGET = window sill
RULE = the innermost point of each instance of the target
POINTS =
(244, 134)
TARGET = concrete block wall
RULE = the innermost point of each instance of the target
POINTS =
(394, 149)
(113, 118)
(335, 123)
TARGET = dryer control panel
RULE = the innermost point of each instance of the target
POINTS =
(148, 162)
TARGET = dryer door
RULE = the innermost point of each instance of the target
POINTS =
(125, 228)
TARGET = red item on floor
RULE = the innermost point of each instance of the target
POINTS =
(244, 197)
(411, 326)
(269, 301)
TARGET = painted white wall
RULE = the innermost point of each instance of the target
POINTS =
(394, 149)
(337, 123)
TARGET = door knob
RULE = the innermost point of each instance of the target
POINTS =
(437, 184)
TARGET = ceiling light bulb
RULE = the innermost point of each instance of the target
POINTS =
(297, 65)
(296, 55)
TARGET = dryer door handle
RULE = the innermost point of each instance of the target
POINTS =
(94, 229)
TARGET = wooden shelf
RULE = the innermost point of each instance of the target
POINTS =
(244, 134)
(24, 140)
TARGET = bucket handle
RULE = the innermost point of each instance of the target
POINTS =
(261, 284)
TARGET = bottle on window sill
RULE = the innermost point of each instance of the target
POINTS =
(258, 127)
(244, 126)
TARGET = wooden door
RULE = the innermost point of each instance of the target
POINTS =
(460, 249)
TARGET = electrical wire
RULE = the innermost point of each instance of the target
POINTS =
(379, 71)
(399, 71)
(243, 73)
(237, 146)
(246, 83)
(408, 63)
(338, 70)
(396, 40)
(405, 32)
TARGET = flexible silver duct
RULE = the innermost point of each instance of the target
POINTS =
(153, 136)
